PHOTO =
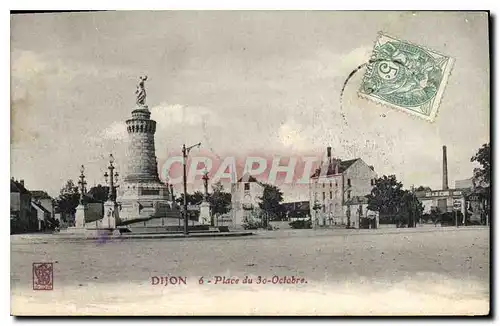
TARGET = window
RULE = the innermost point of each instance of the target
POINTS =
(372, 182)
(247, 186)
(331, 195)
(348, 182)
(349, 194)
(330, 184)
(323, 196)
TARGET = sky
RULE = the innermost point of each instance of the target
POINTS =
(239, 82)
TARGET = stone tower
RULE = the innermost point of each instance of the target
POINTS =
(142, 194)
(141, 165)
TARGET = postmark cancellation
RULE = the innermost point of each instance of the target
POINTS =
(406, 76)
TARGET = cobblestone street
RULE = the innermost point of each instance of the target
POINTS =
(442, 271)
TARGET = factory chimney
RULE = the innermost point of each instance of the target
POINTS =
(445, 169)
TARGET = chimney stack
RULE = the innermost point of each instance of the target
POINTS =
(22, 182)
(445, 169)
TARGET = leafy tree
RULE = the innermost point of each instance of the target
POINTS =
(482, 178)
(68, 199)
(271, 200)
(389, 198)
(220, 201)
(192, 199)
(483, 157)
(98, 193)
(386, 195)
(410, 209)
(423, 188)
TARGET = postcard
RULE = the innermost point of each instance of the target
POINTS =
(250, 163)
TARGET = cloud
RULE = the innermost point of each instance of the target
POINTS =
(291, 136)
(168, 115)
(327, 64)
(26, 65)
(116, 131)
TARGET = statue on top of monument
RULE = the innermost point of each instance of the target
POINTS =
(141, 91)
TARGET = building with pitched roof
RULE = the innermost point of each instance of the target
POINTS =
(42, 214)
(338, 190)
(245, 197)
(42, 198)
(22, 215)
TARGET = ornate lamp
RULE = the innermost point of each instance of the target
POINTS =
(82, 183)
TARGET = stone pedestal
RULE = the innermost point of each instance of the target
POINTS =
(110, 215)
(204, 217)
(81, 212)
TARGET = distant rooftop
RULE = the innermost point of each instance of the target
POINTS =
(247, 178)
(18, 186)
(343, 165)
(40, 194)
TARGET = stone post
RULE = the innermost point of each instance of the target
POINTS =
(81, 212)
(204, 217)
(81, 209)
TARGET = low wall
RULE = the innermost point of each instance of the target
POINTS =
(386, 226)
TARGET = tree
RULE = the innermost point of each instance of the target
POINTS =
(192, 199)
(220, 201)
(483, 157)
(386, 195)
(98, 193)
(423, 188)
(271, 200)
(482, 178)
(68, 199)
(410, 209)
(390, 199)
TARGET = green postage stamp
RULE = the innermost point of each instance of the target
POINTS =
(406, 76)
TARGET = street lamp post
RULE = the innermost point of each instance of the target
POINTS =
(185, 152)
(82, 183)
(113, 178)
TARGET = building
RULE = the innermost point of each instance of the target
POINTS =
(142, 194)
(446, 200)
(464, 184)
(245, 198)
(338, 190)
(42, 214)
(41, 197)
(23, 217)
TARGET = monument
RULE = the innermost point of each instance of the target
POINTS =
(142, 195)
(204, 217)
